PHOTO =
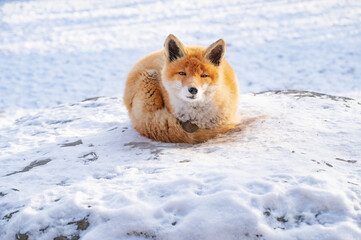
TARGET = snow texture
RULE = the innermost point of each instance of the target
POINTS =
(73, 167)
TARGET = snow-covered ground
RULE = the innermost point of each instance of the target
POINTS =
(75, 168)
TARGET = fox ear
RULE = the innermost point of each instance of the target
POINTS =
(215, 52)
(174, 49)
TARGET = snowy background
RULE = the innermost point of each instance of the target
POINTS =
(72, 166)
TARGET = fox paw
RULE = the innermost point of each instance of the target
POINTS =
(189, 127)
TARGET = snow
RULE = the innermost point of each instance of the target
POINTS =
(72, 165)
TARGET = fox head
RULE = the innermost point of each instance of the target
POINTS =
(191, 73)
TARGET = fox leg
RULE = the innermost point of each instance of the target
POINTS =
(146, 108)
(146, 95)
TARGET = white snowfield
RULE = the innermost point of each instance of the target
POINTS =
(76, 169)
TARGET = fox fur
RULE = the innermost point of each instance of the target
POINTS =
(160, 101)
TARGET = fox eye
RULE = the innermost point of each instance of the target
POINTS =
(182, 73)
(204, 75)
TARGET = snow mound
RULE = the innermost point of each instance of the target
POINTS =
(81, 171)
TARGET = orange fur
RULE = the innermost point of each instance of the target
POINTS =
(152, 107)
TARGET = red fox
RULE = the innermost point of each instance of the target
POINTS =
(183, 94)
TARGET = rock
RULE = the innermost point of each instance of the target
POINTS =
(21, 236)
(72, 144)
(81, 224)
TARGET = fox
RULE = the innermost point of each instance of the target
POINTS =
(182, 94)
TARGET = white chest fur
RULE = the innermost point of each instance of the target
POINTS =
(205, 113)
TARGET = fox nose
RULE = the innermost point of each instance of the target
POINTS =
(193, 90)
